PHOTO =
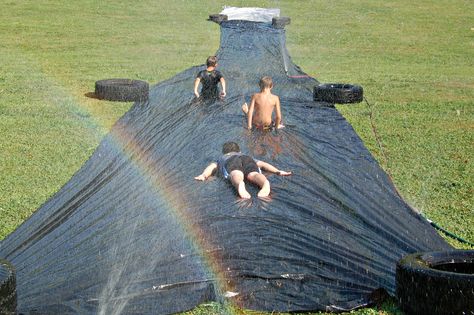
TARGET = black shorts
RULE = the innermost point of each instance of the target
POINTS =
(242, 163)
(265, 128)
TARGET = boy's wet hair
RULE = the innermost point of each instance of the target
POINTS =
(265, 82)
(211, 61)
(230, 147)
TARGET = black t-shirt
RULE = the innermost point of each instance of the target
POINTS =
(209, 81)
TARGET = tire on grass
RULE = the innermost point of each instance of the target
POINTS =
(123, 90)
(280, 22)
(7, 288)
(218, 18)
(339, 93)
(436, 282)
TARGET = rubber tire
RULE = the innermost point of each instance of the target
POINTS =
(218, 18)
(280, 22)
(123, 90)
(339, 93)
(7, 288)
(425, 286)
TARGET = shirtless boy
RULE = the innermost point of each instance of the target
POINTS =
(261, 108)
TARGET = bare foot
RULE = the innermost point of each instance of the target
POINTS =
(200, 177)
(243, 192)
(265, 190)
(245, 108)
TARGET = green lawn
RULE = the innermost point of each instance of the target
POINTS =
(413, 58)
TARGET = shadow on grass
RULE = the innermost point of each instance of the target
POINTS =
(91, 95)
(387, 305)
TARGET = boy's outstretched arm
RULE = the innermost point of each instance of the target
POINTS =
(272, 169)
(223, 93)
(250, 113)
(196, 85)
(207, 172)
(278, 114)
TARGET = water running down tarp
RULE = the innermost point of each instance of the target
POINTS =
(132, 232)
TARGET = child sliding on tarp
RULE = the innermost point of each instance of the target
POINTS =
(262, 105)
(237, 167)
(209, 79)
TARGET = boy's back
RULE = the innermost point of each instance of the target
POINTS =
(262, 106)
(209, 78)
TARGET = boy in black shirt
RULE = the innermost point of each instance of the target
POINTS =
(209, 79)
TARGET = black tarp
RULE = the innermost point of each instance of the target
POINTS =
(132, 232)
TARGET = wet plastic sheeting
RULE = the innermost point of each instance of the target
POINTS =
(132, 232)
